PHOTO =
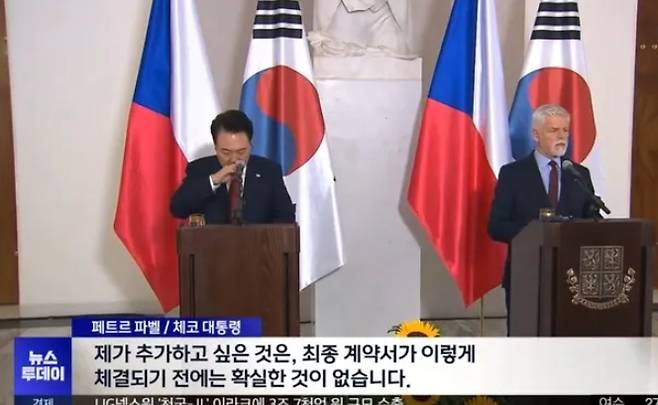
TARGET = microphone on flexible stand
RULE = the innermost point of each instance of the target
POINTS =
(568, 166)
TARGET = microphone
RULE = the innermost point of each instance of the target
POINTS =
(568, 166)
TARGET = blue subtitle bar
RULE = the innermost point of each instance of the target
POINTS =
(166, 327)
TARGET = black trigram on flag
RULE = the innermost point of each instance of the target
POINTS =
(557, 20)
(278, 18)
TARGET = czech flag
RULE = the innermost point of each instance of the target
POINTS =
(279, 96)
(168, 126)
(463, 142)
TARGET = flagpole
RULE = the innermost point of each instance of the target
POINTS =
(482, 316)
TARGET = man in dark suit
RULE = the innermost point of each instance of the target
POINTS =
(538, 181)
(208, 187)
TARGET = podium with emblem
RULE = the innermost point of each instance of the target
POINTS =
(241, 271)
(582, 278)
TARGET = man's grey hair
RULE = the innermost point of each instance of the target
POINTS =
(548, 110)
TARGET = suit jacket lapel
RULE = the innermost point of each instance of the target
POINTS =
(566, 190)
(249, 178)
(538, 189)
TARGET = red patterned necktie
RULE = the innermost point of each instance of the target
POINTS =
(234, 198)
(552, 185)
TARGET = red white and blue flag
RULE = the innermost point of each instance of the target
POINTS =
(555, 73)
(172, 107)
(463, 142)
(279, 96)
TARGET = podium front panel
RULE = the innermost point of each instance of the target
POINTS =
(582, 278)
(599, 280)
(242, 271)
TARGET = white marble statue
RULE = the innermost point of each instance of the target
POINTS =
(361, 27)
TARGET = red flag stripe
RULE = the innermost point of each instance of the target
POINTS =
(451, 191)
(153, 167)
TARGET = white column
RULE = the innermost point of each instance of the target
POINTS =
(370, 107)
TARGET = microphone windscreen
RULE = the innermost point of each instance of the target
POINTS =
(571, 168)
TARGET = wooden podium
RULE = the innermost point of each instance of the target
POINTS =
(582, 278)
(241, 271)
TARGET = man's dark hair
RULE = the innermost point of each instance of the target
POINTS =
(232, 121)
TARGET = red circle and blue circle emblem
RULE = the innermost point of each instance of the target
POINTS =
(285, 109)
(552, 85)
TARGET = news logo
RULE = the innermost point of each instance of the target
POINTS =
(42, 370)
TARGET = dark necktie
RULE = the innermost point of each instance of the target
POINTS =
(552, 185)
(234, 199)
